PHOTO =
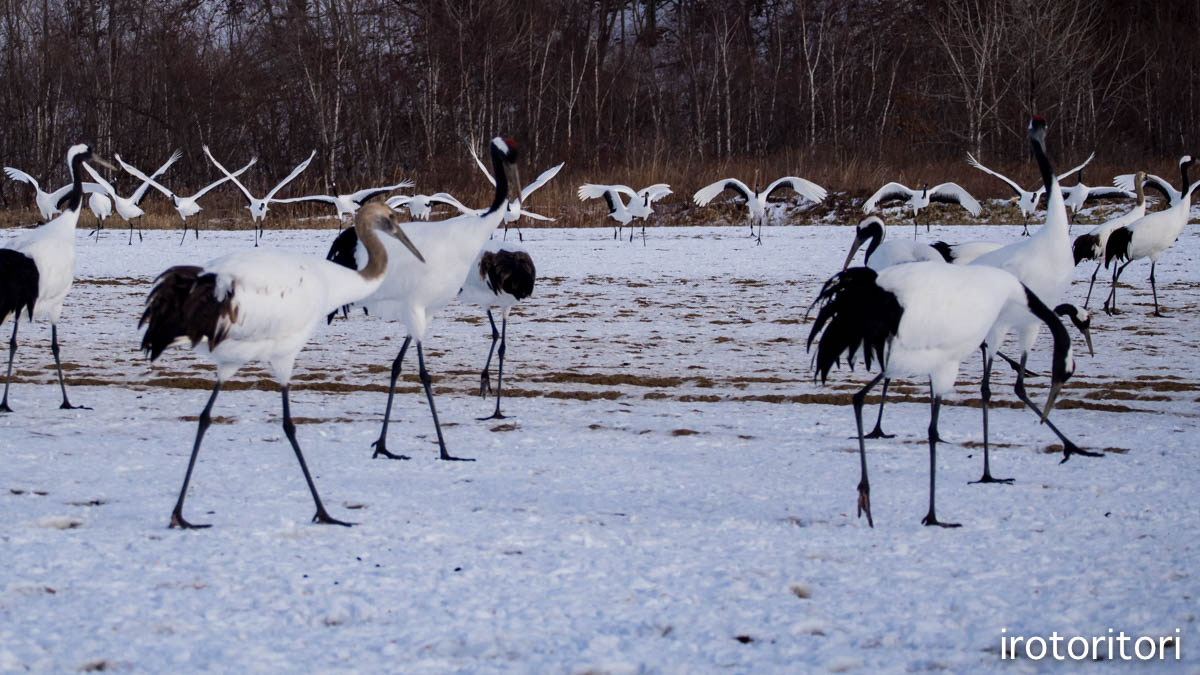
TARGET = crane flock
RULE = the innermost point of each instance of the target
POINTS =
(916, 309)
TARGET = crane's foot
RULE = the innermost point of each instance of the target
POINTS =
(931, 520)
(1070, 448)
(67, 406)
(987, 478)
(864, 502)
(877, 432)
(323, 518)
(4, 407)
(1160, 314)
(494, 416)
(382, 451)
(450, 458)
(177, 520)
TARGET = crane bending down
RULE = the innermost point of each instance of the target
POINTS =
(922, 319)
(260, 305)
(412, 293)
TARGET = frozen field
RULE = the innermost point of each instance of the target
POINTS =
(672, 492)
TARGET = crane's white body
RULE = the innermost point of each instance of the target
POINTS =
(52, 248)
(882, 253)
(278, 299)
(1152, 234)
(756, 202)
(127, 207)
(917, 199)
(1103, 231)
(617, 210)
(258, 207)
(100, 205)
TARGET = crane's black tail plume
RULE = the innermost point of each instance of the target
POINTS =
(18, 283)
(509, 271)
(854, 313)
(944, 249)
(184, 304)
(342, 253)
(1085, 247)
(1118, 245)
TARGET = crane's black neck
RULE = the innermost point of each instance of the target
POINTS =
(499, 160)
(874, 233)
(1062, 341)
(1183, 171)
(1043, 162)
(74, 198)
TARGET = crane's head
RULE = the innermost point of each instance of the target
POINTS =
(1082, 320)
(870, 228)
(378, 216)
(1037, 130)
(1186, 159)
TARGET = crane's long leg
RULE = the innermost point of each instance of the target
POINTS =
(643, 233)
(1154, 290)
(500, 371)
(131, 233)
(934, 433)
(66, 405)
(1025, 217)
(864, 487)
(1069, 448)
(289, 428)
(139, 224)
(427, 381)
(1110, 305)
(985, 395)
(177, 519)
(485, 382)
(1092, 282)
(12, 350)
(380, 444)
(935, 403)
(877, 432)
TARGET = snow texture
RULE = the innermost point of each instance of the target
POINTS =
(672, 493)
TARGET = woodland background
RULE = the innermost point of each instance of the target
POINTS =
(849, 93)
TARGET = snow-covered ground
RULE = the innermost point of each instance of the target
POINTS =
(672, 493)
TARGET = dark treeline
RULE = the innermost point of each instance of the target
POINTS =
(389, 88)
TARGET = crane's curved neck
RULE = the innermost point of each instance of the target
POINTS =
(875, 237)
(377, 257)
(1141, 192)
(75, 196)
(1043, 162)
(498, 170)
(1183, 171)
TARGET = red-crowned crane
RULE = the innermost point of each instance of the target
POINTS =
(756, 200)
(261, 305)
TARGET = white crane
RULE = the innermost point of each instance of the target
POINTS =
(128, 207)
(882, 254)
(413, 293)
(1079, 194)
(347, 204)
(185, 206)
(501, 277)
(421, 206)
(945, 193)
(1044, 263)
(260, 305)
(1025, 200)
(49, 202)
(1150, 236)
(1091, 246)
(37, 269)
(617, 210)
(922, 319)
(515, 208)
(756, 200)
(967, 251)
(258, 207)
(101, 207)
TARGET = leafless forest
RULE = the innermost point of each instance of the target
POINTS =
(843, 91)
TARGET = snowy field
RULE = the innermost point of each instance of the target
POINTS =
(672, 492)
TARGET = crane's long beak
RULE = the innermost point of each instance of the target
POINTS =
(514, 181)
(858, 242)
(399, 234)
(1055, 387)
(100, 160)
(1087, 337)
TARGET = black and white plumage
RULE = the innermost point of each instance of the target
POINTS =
(921, 319)
(1079, 194)
(1025, 200)
(50, 203)
(1091, 246)
(421, 206)
(1150, 236)
(260, 305)
(413, 293)
(881, 254)
(1043, 263)
(185, 206)
(965, 252)
(617, 209)
(347, 204)
(756, 200)
(944, 193)
(37, 269)
(128, 207)
(502, 276)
